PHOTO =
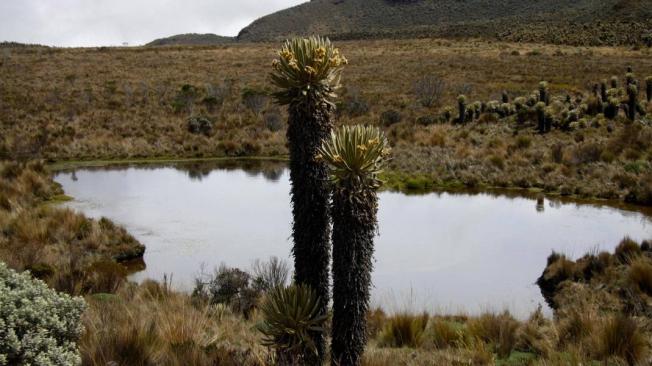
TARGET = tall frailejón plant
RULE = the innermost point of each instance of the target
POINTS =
(307, 75)
(355, 155)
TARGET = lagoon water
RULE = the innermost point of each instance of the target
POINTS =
(440, 252)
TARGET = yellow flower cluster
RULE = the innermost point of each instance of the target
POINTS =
(337, 59)
(320, 53)
(311, 70)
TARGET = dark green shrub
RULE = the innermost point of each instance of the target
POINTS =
(199, 125)
(425, 120)
(648, 88)
(254, 100)
(390, 117)
(230, 286)
(273, 121)
(185, 99)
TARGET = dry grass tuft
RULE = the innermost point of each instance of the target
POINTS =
(403, 330)
(499, 331)
(151, 325)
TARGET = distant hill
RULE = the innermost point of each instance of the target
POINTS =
(192, 39)
(7, 44)
(580, 22)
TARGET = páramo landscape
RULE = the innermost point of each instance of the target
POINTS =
(340, 182)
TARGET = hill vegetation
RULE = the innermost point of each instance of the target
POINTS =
(583, 22)
(214, 102)
(191, 39)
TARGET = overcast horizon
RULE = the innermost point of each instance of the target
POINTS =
(79, 23)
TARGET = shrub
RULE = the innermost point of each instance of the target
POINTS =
(271, 274)
(290, 315)
(185, 99)
(425, 120)
(197, 125)
(641, 193)
(403, 330)
(390, 117)
(254, 100)
(37, 325)
(429, 90)
(230, 286)
(273, 121)
(354, 105)
(587, 153)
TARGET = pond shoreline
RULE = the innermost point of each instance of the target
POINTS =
(396, 181)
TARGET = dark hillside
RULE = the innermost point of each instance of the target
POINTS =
(582, 22)
(191, 39)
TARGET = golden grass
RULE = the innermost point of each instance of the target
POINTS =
(151, 325)
(67, 250)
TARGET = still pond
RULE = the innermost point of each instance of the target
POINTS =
(441, 252)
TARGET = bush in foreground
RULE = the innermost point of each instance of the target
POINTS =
(37, 325)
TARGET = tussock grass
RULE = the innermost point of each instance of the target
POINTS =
(67, 250)
(404, 330)
(152, 325)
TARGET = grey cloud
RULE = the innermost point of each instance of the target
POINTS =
(112, 22)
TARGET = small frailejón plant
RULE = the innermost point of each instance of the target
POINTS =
(307, 75)
(291, 316)
(355, 156)
(461, 106)
(632, 101)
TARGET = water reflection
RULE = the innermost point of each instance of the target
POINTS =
(447, 251)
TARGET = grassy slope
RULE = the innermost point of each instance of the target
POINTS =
(557, 21)
(191, 39)
(83, 104)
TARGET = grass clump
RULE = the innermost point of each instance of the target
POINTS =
(621, 338)
(640, 275)
(497, 330)
(404, 330)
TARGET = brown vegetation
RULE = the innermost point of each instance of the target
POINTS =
(67, 250)
(137, 103)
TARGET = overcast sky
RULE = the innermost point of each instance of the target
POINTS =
(112, 22)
